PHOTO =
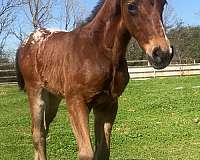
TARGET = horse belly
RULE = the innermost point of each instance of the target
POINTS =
(55, 85)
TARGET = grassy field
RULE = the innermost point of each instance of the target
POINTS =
(158, 119)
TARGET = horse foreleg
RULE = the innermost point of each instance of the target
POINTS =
(104, 120)
(79, 118)
(37, 107)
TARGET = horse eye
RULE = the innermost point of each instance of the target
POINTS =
(132, 8)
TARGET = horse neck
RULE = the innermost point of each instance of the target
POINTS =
(108, 29)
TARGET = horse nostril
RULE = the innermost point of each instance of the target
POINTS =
(161, 58)
(157, 54)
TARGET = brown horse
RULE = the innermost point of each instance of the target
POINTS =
(88, 68)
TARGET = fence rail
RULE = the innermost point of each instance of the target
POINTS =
(8, 73)
(172, 70)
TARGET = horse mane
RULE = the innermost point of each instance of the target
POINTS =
(97, 8)
(94, 11)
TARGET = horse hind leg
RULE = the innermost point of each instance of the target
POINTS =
(43, 107)
(37, 107)
(52, 104)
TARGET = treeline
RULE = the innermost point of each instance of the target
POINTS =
(20, 17)
(185, 39)
(186, 42)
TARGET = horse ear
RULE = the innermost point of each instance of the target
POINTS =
(164, 2)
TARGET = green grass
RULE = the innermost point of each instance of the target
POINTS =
(155, 121)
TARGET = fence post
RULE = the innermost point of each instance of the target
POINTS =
(154, 71)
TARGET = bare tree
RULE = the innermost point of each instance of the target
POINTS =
(67, 18)
(39, 12)
(73, 14)
(176, 38)
(169, 17)
(6, 19)
(19, 33)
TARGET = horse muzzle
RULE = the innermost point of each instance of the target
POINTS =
(161, 59)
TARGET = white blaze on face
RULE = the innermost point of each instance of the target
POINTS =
(170, 49)
(158, 42)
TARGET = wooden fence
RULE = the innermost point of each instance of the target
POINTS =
(172, 70)
(8, 73)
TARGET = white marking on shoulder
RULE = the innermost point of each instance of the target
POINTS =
(38, 35)
(41, 35)
(25, 41)
(55, 30)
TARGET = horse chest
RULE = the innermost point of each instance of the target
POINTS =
(120, 79)
(114, 88)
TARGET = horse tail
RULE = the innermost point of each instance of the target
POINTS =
(20, 79)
